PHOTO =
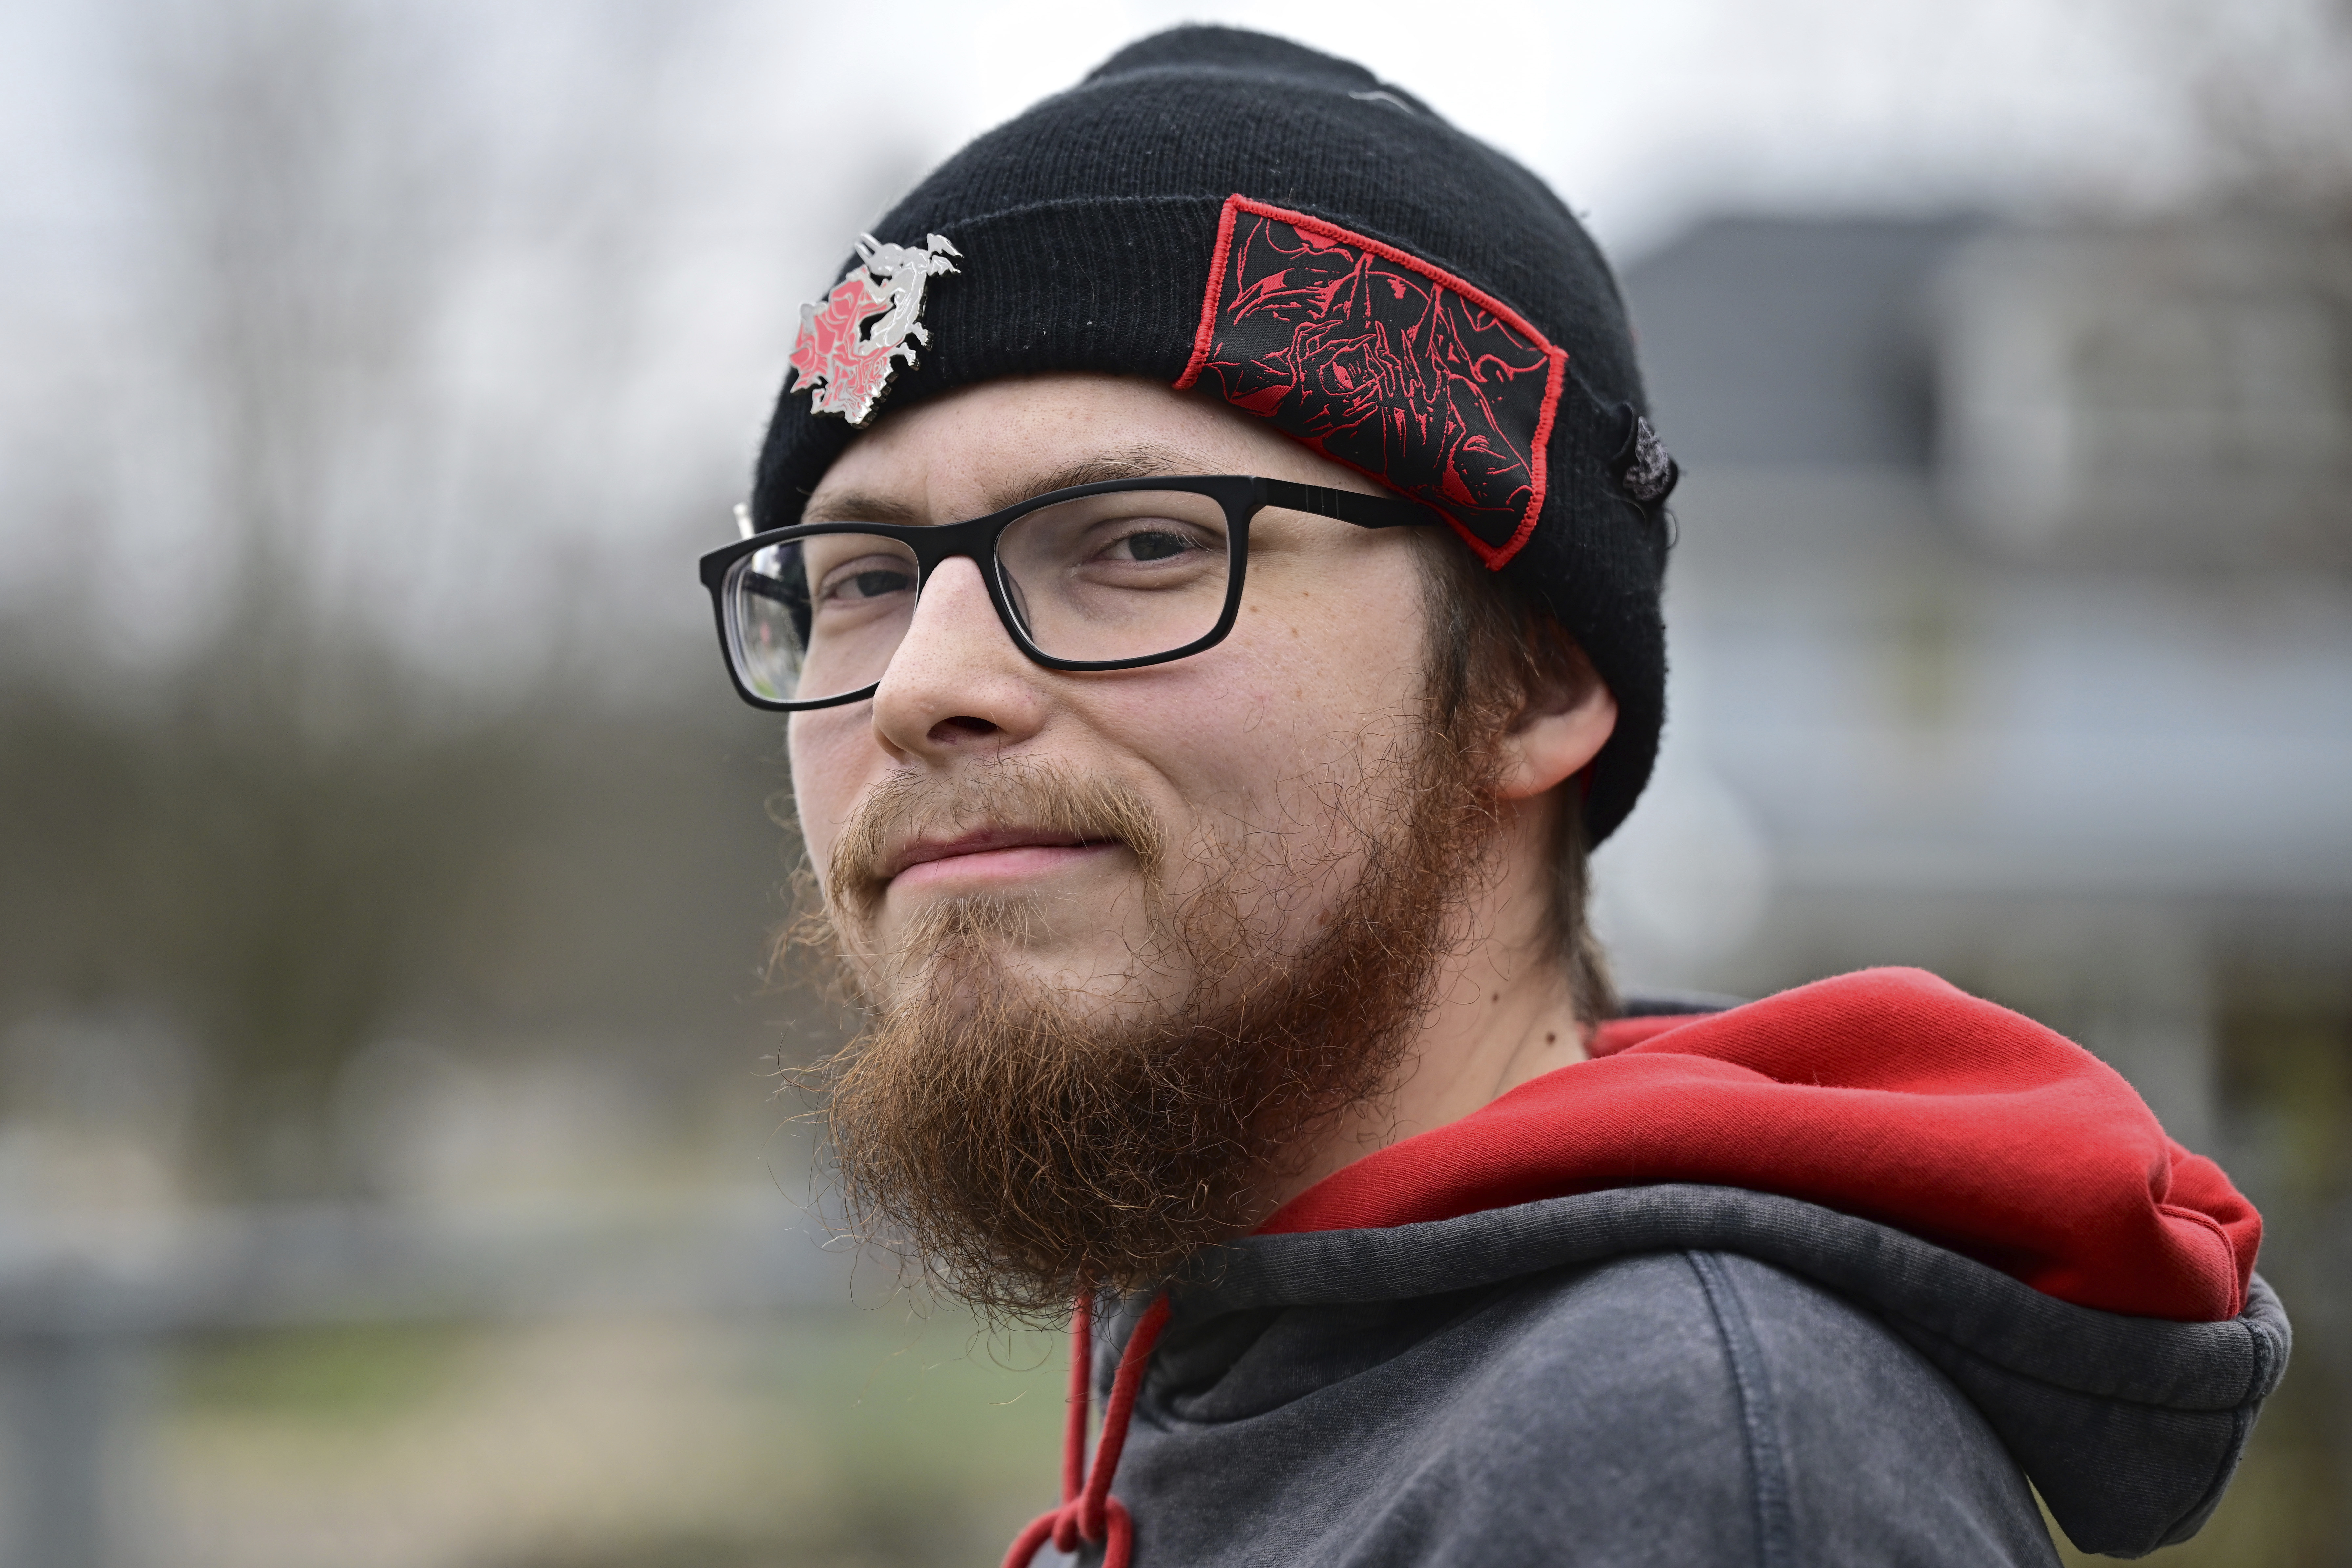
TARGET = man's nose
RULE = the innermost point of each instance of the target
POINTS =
(957, 681)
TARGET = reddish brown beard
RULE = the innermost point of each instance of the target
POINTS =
(1016, 1149)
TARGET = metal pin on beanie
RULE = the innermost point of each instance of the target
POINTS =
(852, 341)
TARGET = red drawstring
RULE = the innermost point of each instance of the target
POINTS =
(1088, 1513)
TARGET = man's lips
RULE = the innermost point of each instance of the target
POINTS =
(991, 853)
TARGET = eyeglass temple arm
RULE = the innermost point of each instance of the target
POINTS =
(1349, 505)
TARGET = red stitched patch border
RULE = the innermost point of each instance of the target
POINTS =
(1493, 453)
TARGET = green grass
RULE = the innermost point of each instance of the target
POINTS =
(853, 1439)
(343, 1376)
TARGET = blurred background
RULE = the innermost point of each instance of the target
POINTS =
(391, 1171)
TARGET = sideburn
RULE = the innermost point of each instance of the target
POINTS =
(1017, 1151)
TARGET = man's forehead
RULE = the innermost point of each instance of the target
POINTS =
(886, 491)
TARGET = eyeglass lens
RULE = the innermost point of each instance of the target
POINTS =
(1124, 575)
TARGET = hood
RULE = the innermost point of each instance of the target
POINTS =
(1999, 1197)
(1888, 1095)
(2129, 1426)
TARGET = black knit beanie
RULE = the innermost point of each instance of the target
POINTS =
(1254, 221)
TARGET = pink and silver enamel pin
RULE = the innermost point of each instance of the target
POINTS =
(851, 343)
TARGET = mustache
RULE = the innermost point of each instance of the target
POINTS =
(1016, 792)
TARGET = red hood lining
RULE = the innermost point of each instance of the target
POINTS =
(1886, 1094)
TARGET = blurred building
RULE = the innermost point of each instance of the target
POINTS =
(2011, 630)
(2011, 626)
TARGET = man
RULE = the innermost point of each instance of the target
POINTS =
(1209, 546)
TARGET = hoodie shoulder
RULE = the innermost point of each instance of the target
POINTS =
(1704, 1407)
(1658, 1409)
(1880, 1457)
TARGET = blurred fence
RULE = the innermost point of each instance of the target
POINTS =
(84, 1309)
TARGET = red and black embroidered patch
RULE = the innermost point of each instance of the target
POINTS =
(1377, 359)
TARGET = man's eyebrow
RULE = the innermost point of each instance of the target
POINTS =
(858, 507)
(1139, 462)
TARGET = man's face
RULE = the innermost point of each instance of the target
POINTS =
(1130, 939)
(1250, 760)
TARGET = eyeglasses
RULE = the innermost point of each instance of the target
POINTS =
(1098, 577)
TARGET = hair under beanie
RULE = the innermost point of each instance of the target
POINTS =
(1254, 221)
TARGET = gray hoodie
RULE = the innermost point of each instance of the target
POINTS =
(1432, 1360)
(1671, 1374)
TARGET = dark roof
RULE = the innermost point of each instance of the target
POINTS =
(1791, 340)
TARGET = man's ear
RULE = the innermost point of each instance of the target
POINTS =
(1566, 723)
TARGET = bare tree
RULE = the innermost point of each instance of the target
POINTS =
(288, 838)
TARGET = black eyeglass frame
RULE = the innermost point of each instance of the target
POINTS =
(1242, 496)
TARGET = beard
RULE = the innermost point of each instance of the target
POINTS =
(1021, 1143)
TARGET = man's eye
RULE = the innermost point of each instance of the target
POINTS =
(868, 583)
(1151, 544)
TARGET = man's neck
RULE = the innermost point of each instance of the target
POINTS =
(1504, 1013)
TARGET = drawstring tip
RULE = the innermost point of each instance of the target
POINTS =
(1061, 1526)
(1088, 1513)
(1025, 1545)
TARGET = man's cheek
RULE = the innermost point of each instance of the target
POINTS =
(829, 756)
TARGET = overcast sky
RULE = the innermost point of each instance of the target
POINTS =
(632, 197)
(1642, 114)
